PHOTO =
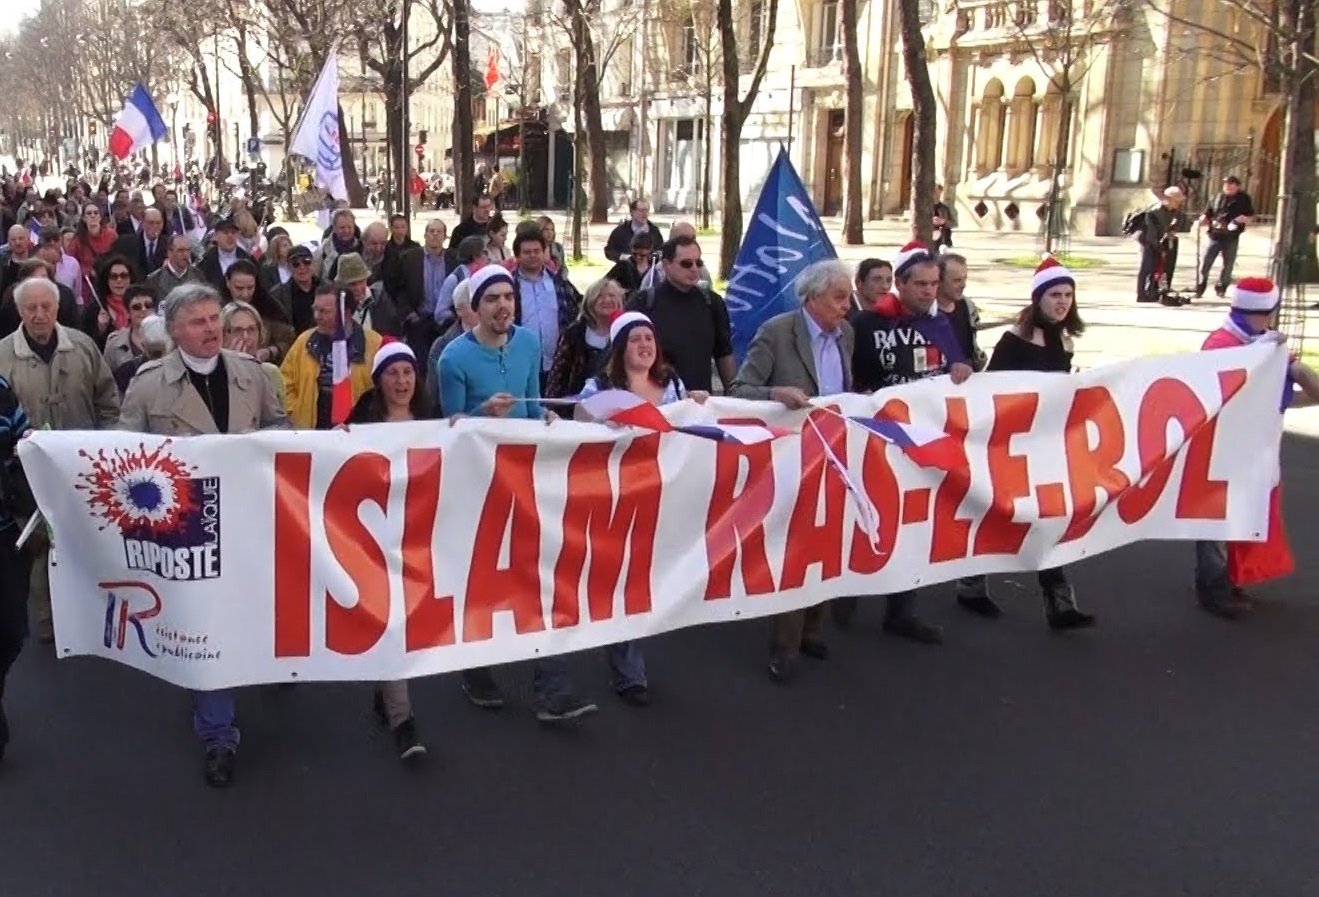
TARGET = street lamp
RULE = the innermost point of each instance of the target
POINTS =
(172, 102)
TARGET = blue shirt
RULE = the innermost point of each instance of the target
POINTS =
(828, 360)
(435, 277)
(13, 423)
(540, 313)
(471, 373)
(444, 312)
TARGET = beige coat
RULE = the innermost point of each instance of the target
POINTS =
(76, 391)
(162, 400)
(119, 349)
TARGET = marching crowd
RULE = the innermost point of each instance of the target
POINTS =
(153, 336)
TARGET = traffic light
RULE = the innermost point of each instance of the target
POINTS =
(422, 135)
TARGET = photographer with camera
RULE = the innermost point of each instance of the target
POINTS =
(16, 503)
(1225, 219)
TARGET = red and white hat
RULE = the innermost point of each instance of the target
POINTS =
(1254, 295)
(909, 255)
(1050, 273)
(624, 321)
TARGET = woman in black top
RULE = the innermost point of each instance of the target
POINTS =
(1041, 340)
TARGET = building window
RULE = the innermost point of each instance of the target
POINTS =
(1128, 167)
(622, 65)
(563, 72)
(691, 57)
(756, 27)
(1050, 121)
(993, 115)
(1021, 139)
(827, 47)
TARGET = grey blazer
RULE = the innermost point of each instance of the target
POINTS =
(780, 355)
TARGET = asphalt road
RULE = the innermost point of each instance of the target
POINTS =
(1164, 753)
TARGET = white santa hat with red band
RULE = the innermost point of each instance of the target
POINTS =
(624, 320)
(909, 255)
(1254, 295)
(390, 353)
(1050, 273)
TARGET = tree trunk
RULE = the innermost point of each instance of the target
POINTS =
(707, 148)
(395, 143)
(1053, 222)
(736, 110)
(464, 161)
(1294, 248)
(853, 200)
(590, 113)
(352, 182)
(923, 102)
(578, 169)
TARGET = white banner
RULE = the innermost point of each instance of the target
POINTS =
(401, 550)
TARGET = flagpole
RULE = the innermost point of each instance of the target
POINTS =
(405, 139)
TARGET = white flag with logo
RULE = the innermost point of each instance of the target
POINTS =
(317, 137)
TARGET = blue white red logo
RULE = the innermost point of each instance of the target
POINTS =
(169, 517)
(127, 606)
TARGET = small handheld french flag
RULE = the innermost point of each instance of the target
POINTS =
(138, 126)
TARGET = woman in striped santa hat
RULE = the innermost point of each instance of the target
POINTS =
(1040, 340)
(1222, 570)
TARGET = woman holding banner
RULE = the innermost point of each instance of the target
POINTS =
(395, 396)
(634, 364)
(1041, 340)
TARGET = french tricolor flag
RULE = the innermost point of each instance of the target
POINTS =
(619, 406)
(341, 386)
(138, 126)
(926, 446)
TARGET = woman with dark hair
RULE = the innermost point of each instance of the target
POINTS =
(92, 238)
(125, 344)
(108, 310)
(630, 271)
(636, 364)
(396, 396)
(1040, 340)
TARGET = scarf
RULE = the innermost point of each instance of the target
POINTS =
(1056, 356)
(1237, 325)
(343, 246)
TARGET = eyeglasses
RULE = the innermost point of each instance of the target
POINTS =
(119, 275)
(688, 263)
(142, 306)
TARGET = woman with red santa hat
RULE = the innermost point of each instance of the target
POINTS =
(1223, 569)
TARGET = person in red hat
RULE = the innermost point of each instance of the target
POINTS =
(1223, 569)
(1040, 340)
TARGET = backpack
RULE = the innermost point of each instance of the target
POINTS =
(1134, 223)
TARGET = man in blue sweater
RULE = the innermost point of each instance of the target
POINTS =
(494, 371)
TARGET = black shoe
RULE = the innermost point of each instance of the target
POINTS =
(220, 767)
(635, 695)
(782, 670)
(815, 649)
(914, 629)
(1220, 292)
(564, 710)
(843, 611)
(378, 709)
(981, 606)
(483, 691)
(1200, 288)
(406, 740)
(1229, 607)
(1069, 618)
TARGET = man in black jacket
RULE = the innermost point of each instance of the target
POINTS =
(1225, 218)
(146, 249)
(620, 239)
(474, 224)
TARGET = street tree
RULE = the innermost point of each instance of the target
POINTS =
(1277, 39)
(853, 200)
(698, 60)
(464, 153)
(737, 108)
(595, 34)
(1065, 44)
(925, 114)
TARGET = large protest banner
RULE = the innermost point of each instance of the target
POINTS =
(783, 237)
(399, 550)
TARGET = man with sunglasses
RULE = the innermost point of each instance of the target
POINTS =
(691, 321)
(298, 294)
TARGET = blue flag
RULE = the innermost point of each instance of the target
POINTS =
(784, 236)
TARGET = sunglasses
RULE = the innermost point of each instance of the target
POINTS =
(299, 263)
(142, 306)
(119, 275)
(688, 263)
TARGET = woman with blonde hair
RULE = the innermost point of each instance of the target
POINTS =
(585, 342)
(250, 238)
(245, 332)
(275, 268)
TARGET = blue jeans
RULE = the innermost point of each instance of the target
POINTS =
(1211, 579)
(549, 678)
(213, 717)
(627, 666)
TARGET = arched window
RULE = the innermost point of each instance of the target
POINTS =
(1050, 122)
(1021, 127)
(990, 126)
